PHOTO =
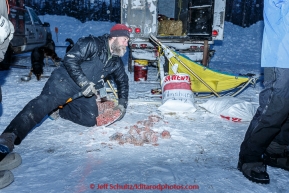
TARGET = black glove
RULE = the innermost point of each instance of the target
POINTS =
(122, 110)
(123, 102)
(88, 89)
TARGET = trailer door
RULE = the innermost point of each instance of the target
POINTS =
(140, 16)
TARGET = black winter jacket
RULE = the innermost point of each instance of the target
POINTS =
(90, 60)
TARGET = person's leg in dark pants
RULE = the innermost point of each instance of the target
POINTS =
(270, 116)
(55, 92)
(283, 137)
(82, 111)
(266, 124)
(277, 154)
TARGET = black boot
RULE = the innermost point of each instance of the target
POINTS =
(6, 144)
(277, 155)
(254, 171)
(278, 161)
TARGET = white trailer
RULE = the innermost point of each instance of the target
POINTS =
(186, 26)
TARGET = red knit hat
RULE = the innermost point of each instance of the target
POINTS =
(119, 30)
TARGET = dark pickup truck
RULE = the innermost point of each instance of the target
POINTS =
(29, 33)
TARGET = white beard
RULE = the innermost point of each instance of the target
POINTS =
(118, 49)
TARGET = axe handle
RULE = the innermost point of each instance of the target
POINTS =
(108, 82)
(77, 95)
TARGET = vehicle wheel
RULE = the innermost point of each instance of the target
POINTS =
(5, 64)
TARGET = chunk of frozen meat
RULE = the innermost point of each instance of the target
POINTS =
(165, 134)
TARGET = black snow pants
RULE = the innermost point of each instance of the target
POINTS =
(58, 88)
(271, 122)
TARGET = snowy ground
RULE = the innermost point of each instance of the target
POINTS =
(202, 154)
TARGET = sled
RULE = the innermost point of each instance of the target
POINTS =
(205, 82)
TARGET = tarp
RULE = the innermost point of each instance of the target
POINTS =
(218, 81)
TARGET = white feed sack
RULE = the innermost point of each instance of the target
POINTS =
(231, 108)
(177, 95)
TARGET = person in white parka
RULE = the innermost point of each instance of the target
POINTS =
(12, 160)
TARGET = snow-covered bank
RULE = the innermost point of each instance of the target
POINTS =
(60, 156)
